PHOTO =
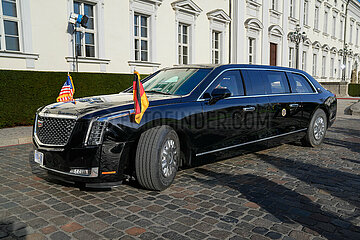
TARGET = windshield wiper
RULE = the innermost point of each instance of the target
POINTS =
(153, 91)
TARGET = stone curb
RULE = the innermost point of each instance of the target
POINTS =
(15, 141)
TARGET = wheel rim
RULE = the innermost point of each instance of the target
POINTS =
(319, 128)
(168, 158)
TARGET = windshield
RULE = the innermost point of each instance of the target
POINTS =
(175, 81)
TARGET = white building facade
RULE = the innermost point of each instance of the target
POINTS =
(123, 35)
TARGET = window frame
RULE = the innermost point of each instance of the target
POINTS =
(275, 5)
(181, 44)
(247, 87)
(351, 32)
(83, 30)
(251, 50)
(139, 38)
(240, 83)
(215, 49)
(292, 8)
(314, 68)
(316, 17)
(291, 57)
(304, 62)
(326, 18)
(291, 80)
(323, 66)
(334, 26)
(16, 19)
(306, 12)
(332, 66)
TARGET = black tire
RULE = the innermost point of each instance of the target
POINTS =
(311, 139)
(148, 159)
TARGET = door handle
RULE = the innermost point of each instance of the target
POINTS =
(294, 105)
(249, 109)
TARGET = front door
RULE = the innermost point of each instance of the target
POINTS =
(232, 121)
(273, 54)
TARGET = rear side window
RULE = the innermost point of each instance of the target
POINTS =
(299, 84)
(230, 80)
(254, 82)
(276, 82)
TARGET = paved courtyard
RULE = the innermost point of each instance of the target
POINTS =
(286, 192)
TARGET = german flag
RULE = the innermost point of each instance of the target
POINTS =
(141, 102)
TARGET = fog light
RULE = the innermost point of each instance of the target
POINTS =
(93, 172)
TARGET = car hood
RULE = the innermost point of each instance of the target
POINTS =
(100, 105)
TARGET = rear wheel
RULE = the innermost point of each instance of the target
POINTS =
(157, 158)
(317, 128)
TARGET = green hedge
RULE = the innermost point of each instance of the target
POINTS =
(354, 90)
(22, 92)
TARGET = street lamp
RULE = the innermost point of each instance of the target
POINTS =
(296, 37)
(346, 52)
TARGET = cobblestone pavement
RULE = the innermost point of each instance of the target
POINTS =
(286, 192)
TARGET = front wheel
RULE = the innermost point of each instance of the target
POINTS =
(317, 128)
(157, 158)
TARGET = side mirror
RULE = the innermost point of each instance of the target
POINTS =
(219, 93)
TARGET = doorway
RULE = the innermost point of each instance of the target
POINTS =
(273, 54)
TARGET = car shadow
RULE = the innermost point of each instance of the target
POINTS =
(13, 230)
(343, 185)
(352, 146)
(285, 204)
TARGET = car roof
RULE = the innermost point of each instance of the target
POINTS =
(226, 66)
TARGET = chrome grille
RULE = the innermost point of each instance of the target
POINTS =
(54, 131)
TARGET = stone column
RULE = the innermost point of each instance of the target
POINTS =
(238, 34)
(285, 50)
(265, 51)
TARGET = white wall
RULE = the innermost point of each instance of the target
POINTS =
(47, 44)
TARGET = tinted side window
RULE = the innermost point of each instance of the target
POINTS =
(276, 82)
(299, 84)
(254, 82)
(230, 80)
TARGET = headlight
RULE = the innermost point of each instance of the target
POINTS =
(95, 133)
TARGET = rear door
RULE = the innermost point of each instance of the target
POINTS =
(286, 107)
(301, 86)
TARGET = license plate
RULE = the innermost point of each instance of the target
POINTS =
(39, 157)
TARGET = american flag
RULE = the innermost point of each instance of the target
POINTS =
(67, 91)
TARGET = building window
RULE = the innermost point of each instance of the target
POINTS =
(274, 4)
(252, 50)
(306, 12)
(183, 43)
(351, 32)
(334, 27)
(349, 69)
(141, 37)
(292, 8)
(326, 14)
(304, 55)
(316, 18)
(332, 66)
(291, 57)
(85, 38)
(9, 33)
(314, 68)
(323, 69)
(216, 47)
(339, 68)
(341, 28)
(357, 35)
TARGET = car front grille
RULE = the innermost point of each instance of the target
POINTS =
(54, 131)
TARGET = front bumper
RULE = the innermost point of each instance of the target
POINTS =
(104, 161)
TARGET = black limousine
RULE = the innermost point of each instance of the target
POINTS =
(196, 112)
